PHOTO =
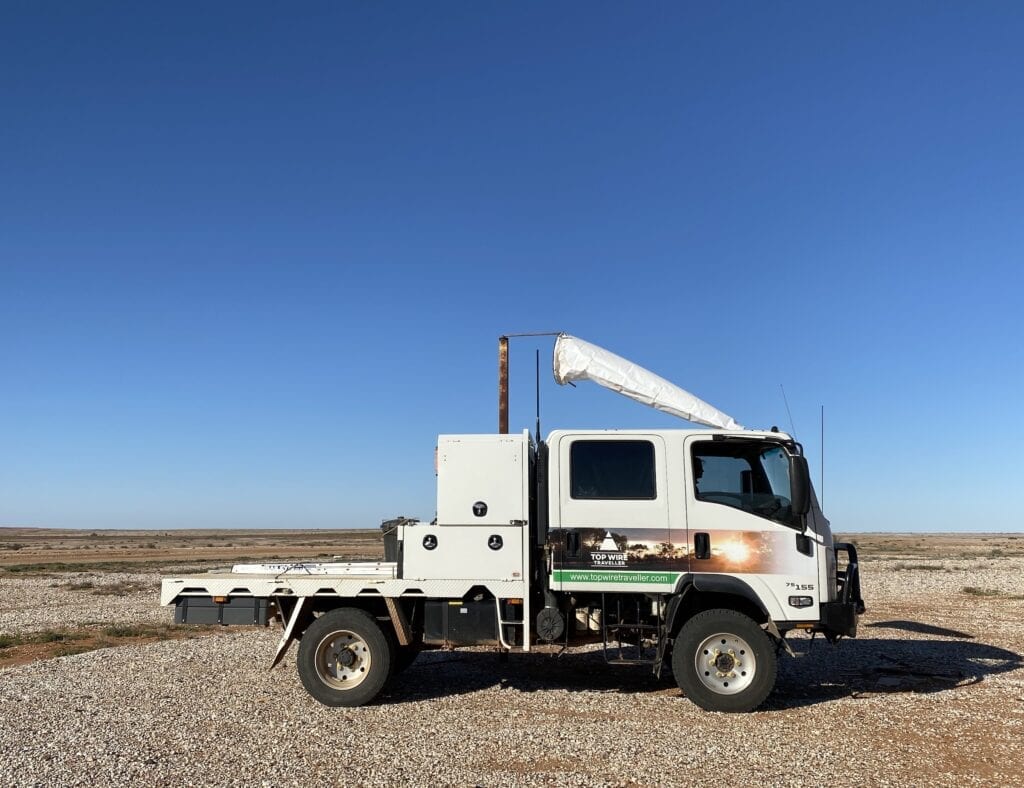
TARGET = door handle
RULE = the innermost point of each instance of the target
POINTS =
(702, 545)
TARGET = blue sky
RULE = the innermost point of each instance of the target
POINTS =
(254, 258)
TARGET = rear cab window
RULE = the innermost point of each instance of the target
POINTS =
(619, 470)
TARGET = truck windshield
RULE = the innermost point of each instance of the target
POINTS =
(748, 475)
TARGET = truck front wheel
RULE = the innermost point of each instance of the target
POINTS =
(723, 661)
(344, 658)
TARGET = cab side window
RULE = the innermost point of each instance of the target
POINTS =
(612, 470)
(750, 476)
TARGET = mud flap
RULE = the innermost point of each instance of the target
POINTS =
(659, 662)
(773, 630)
(398, 620)
(289, 631)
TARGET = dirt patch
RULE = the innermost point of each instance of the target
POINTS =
(22, 649)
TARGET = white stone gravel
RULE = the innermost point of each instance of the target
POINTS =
(207, 711)
(32, 603)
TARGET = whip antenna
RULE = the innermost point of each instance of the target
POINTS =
(822, 493)
(792, 426)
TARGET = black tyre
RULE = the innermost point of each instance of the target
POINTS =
(344, 658)
(723, 661)
(404, 657)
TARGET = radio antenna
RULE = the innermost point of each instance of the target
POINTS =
(792, 426)
(537, 378)
(822, 494)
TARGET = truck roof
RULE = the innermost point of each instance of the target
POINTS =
(776, 435)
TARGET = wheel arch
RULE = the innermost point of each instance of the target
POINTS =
(699, 592)
(376, 606)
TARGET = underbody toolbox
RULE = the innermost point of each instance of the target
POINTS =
(236, 610)
(461, 622)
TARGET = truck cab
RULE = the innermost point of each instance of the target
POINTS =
(656, 511)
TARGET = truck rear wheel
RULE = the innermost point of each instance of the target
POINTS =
(344, 658)
(404, 657)
(723, 661)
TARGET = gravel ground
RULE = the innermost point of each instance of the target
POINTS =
(35, 603)
(932, 692)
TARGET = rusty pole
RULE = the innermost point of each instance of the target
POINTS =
(503, 385)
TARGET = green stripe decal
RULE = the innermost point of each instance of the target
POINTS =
(611, 576)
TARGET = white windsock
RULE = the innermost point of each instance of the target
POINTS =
(575, 359)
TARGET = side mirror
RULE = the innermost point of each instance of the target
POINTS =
(800, 484)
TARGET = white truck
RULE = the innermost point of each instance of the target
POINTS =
(695, 548)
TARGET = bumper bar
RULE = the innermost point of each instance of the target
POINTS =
(840, 617)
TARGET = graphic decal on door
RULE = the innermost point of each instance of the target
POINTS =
(640, 549)
(608, 554)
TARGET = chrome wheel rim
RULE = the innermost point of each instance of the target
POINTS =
(725, 663)
(343, 659)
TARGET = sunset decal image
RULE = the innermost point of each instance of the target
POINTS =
(734, 551)
(765, 552)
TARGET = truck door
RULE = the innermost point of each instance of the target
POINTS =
(610, 515)
(741, 522)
